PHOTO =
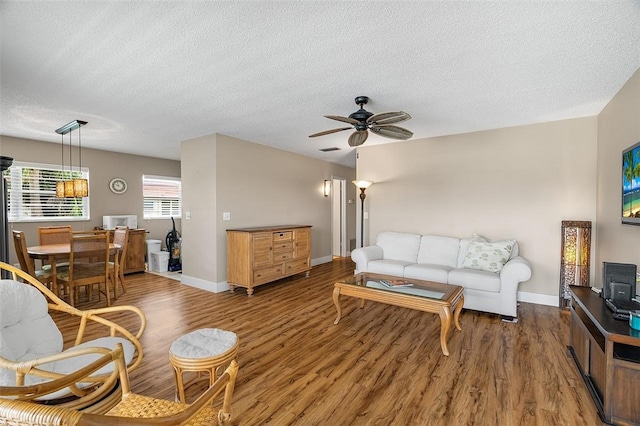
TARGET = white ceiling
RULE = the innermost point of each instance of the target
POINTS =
(147, 75)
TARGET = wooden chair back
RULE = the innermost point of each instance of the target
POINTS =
(26, 262)
(54, 235)
(88, 264)
(120, 237)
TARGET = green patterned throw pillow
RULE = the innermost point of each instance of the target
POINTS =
(488, 256)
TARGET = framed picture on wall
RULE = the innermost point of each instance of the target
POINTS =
(631, 185)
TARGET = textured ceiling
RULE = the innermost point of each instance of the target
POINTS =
(147, 75)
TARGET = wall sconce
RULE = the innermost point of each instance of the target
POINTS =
(78, 186)
(575, 257)
(327, 188)
(363, 185)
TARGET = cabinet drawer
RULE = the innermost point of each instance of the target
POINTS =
(281, 246)
(284, 255)
(267, 274)
(282, 236)
(296, 265)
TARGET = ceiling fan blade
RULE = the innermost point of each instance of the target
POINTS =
(344, 119)
(393, 132)
(328, 132)
(358, 137)
(388, 117)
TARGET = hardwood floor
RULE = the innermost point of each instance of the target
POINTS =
(381, 365)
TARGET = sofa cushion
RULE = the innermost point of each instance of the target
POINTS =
(475, 279)
(488, 256)
(399, 246)
(388, 267)
(438, 250)
(428, 272)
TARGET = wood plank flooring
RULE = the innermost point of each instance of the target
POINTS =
(381, 365)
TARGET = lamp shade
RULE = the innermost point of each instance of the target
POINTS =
(327, 188)
(60, 189)
(80, 187)
(362, 184)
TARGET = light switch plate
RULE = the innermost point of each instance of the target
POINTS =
(226, 216)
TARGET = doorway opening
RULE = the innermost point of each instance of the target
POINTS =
(339, 240)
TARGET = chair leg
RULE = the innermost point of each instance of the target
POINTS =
(122, 280)
(107, 292)
(114, 283)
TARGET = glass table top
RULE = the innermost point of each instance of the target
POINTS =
(418, 288)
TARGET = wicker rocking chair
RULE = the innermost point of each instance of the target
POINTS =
(31, 346)
(132, 409)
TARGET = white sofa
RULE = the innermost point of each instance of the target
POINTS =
(489, 271)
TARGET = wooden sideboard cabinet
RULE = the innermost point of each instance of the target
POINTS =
(607, 353)
(258, 256)
(136, 248)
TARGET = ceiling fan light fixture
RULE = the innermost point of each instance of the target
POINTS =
(363, 121)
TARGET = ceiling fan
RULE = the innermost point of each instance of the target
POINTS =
(363, 120)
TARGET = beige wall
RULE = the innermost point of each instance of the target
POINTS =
(618, 129)
(518, 182)
(103, 166)
(199, 248)
(258, 186)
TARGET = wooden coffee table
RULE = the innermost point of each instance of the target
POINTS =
(424, 296)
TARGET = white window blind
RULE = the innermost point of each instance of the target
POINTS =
(32, 194)
(162, 197)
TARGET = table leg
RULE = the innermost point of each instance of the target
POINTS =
(456, 313)
(54, 276)
(445, 325)
(336, 301)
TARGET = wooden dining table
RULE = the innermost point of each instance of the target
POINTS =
(53, 253)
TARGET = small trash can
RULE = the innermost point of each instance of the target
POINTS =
(159, 261)
(153, 246)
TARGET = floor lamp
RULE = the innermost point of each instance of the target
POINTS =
(575, 256)
(363, 185)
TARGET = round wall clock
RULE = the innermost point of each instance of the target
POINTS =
(118, 185)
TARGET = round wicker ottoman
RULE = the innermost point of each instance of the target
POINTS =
(207, 350)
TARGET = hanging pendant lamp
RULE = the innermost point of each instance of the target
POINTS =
(77, 187)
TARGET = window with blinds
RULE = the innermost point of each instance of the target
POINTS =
(162, 197)
(32, 194)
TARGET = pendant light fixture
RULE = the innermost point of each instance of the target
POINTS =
(77, 187)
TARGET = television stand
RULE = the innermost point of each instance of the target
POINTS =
(607, 354)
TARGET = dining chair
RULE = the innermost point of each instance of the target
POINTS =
(54, 235)
(26, 262)
(88, 266)
(116, 266)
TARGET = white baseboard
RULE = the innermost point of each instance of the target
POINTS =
(204, 284)
(320, 260)
(538, 299)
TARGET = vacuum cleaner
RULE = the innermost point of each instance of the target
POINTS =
(173, 242)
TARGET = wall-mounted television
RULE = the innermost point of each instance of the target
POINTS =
(631, 185)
